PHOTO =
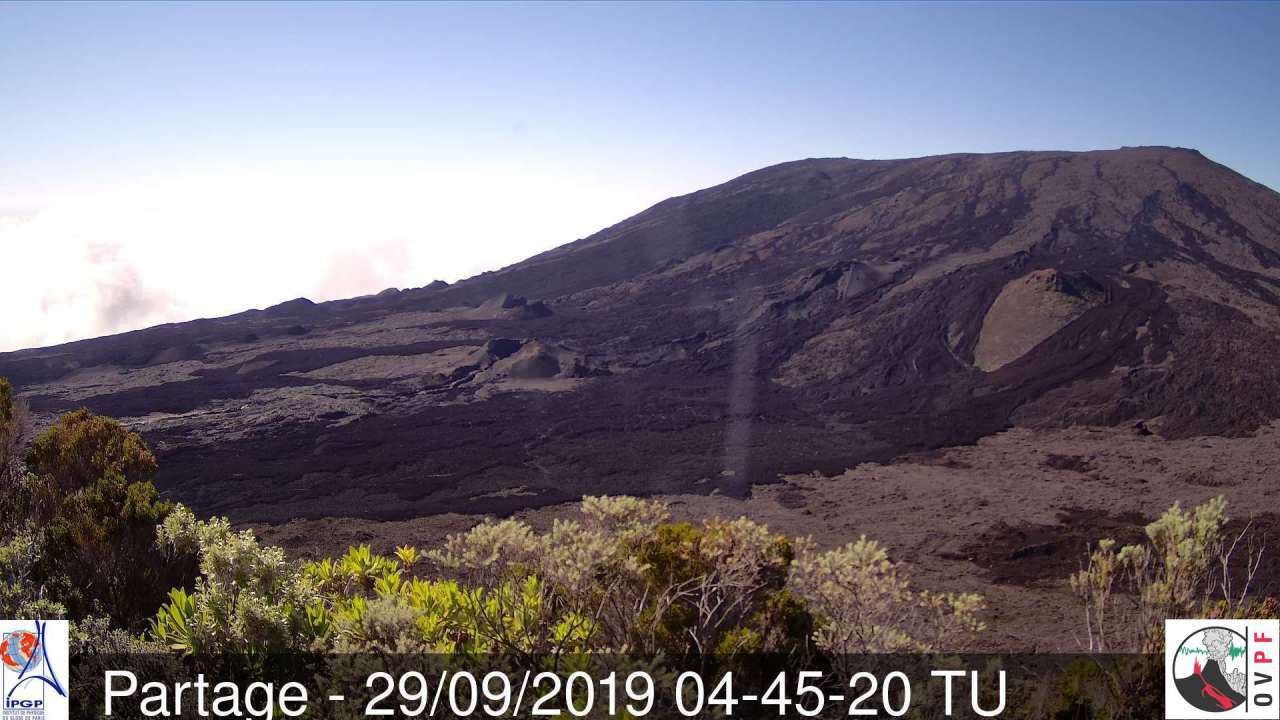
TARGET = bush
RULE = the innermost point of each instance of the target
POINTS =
(589, 581)
(97, 636)
(96, 509)
(104, 539)
(249, 599)
(21, 595)
(15, 430)
(1187, 567)
(616, 579)
(863, 604)
(83, 504)
(713, 588)
(82, 447)
(18, 492)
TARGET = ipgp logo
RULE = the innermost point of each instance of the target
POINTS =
(32, 681)
(1221, 669)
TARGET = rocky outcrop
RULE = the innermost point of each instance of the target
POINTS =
(1030, 310)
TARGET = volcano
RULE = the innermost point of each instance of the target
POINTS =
(809, 317)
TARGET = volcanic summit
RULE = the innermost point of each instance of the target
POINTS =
(808, 317)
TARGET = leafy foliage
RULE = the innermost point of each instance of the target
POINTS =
(80, 503)
(96, 510)
(248, 599)
(16, 487)
(83, 447)
(20, 595)
(1186, 568)
(617, 578)
(713, 588)
(865, 605)
(14, 424)
(103, 540)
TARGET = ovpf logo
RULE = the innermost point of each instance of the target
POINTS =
(1221, 669)
(33, 680)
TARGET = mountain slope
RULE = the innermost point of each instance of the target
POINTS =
(805, 317)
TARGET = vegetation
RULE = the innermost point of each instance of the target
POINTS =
(619, 578)
(1189, 567)
(866, 606)
(83, 447)
(83, 516)
(96, 511)
(248, 599)
(15, 434)
(20, 595)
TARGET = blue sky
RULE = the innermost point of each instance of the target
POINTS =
(161, 162)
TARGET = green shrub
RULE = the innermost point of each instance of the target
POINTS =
(864, 604)
(17, 490)
(84, 500)
(83, 447)
(97, 511)
(21, 594)
(616, 579)
(248, 599)
(97, 635)
(1186, 568)
(587, 574)
(13, 426)
(711, 589)
(103, 538)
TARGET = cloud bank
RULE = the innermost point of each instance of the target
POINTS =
(96, 263)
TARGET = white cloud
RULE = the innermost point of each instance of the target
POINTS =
(164, 250)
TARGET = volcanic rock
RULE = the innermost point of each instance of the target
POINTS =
(1029, 310)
